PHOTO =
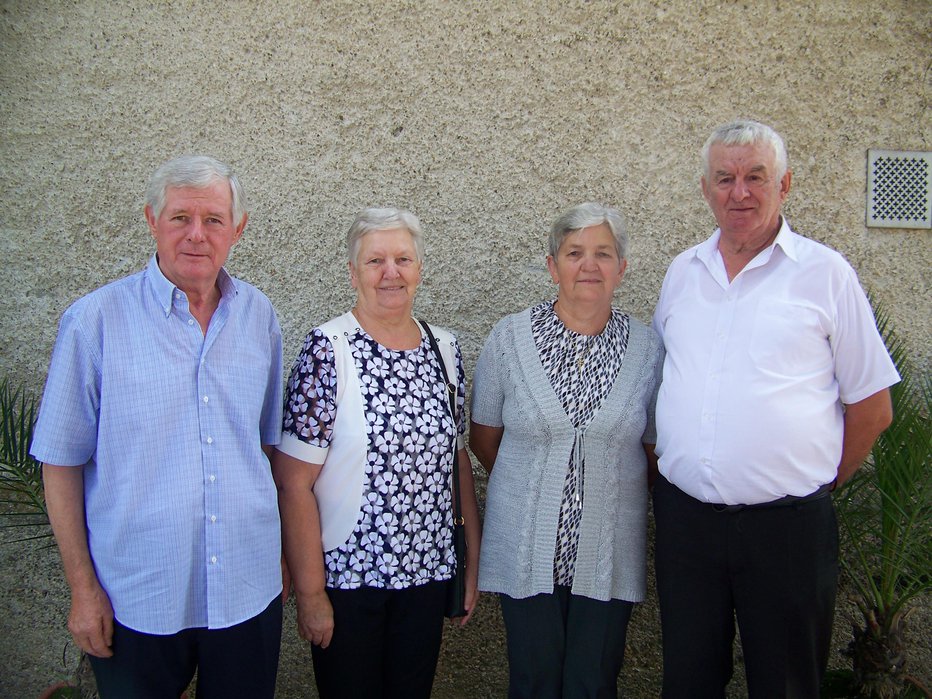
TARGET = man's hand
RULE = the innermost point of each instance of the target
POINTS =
(91, 617)
(315, 618)
(91, 621)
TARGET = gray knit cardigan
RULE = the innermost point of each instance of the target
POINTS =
(511, 389)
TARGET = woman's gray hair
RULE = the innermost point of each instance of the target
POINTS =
(375, 219)
(584, 216)
(197, 171)
(745, 132)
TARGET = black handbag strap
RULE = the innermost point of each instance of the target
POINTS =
(451, 405)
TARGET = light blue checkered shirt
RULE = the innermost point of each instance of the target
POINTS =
(181, 507)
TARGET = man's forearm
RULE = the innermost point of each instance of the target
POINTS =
(64, 497)
(864, 421)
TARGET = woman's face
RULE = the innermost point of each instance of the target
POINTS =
(386, 272)
(587, 266)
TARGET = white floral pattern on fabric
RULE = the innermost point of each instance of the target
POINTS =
(403, 536)
(582, 371)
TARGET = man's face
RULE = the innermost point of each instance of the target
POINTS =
(743, 191)
(194, 234)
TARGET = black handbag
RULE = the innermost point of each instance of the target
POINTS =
(456, 587)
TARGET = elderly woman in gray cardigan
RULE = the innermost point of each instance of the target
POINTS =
(562, 419)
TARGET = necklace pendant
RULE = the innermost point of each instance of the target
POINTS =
(580, 362)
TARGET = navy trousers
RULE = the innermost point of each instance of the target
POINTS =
(563, 646)
(385, 643)
(241, 660)
(774, 569)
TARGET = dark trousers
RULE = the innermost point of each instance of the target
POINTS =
(385, 643)
(561, 645)
(775, 569)
(241, 660)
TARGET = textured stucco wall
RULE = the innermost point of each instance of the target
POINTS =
(485, 118)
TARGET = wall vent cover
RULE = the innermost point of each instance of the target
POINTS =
(899, 189)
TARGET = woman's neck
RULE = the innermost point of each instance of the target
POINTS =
(582, 319)
(396, 332)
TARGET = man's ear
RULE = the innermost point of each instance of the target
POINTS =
(785, 183)
(240, 228)
(150, 219)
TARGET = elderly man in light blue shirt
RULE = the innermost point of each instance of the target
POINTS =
(163, 401)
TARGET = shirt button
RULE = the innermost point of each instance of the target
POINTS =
(212, 478)
(206, 399)
(190, 321)
(210, 440)
(213, 559)
(213, 518)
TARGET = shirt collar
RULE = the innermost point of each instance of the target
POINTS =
(786, 239)
(707, 251)
(163, 290)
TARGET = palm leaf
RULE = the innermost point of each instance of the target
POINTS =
(20, 475)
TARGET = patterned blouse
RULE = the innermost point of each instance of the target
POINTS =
(403, 536)
(582, 371)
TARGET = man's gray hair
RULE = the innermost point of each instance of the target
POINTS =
(199, 172)
(376, 219)
(584, 216)
(745, 132)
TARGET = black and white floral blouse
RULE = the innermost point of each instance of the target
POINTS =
(403, 536)
(582, 371)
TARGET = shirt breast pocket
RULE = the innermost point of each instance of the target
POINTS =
(790, 339)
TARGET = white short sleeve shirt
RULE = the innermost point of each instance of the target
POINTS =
(757, 370)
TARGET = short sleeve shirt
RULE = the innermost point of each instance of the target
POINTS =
(758, 369)
(168, 423)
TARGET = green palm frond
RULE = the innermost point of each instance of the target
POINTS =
(22, 501)
(885, 510)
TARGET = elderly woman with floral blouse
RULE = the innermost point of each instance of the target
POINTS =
(364, 474)
(562, 418)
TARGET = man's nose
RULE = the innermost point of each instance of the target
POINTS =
(739, 190)
(195, 229)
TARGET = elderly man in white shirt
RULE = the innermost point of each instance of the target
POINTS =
(775, 387)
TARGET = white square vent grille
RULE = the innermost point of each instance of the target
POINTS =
(899, 189)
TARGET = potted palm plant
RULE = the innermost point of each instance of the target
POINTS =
(885, 512)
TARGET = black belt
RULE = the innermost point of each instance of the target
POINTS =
(822, 492)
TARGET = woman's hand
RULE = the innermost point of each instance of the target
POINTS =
(472, 596)
(470, 509)
(315, 618)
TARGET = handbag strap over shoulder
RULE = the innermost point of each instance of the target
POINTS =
(451, 405)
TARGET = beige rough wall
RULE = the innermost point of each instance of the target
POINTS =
(485, 118)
